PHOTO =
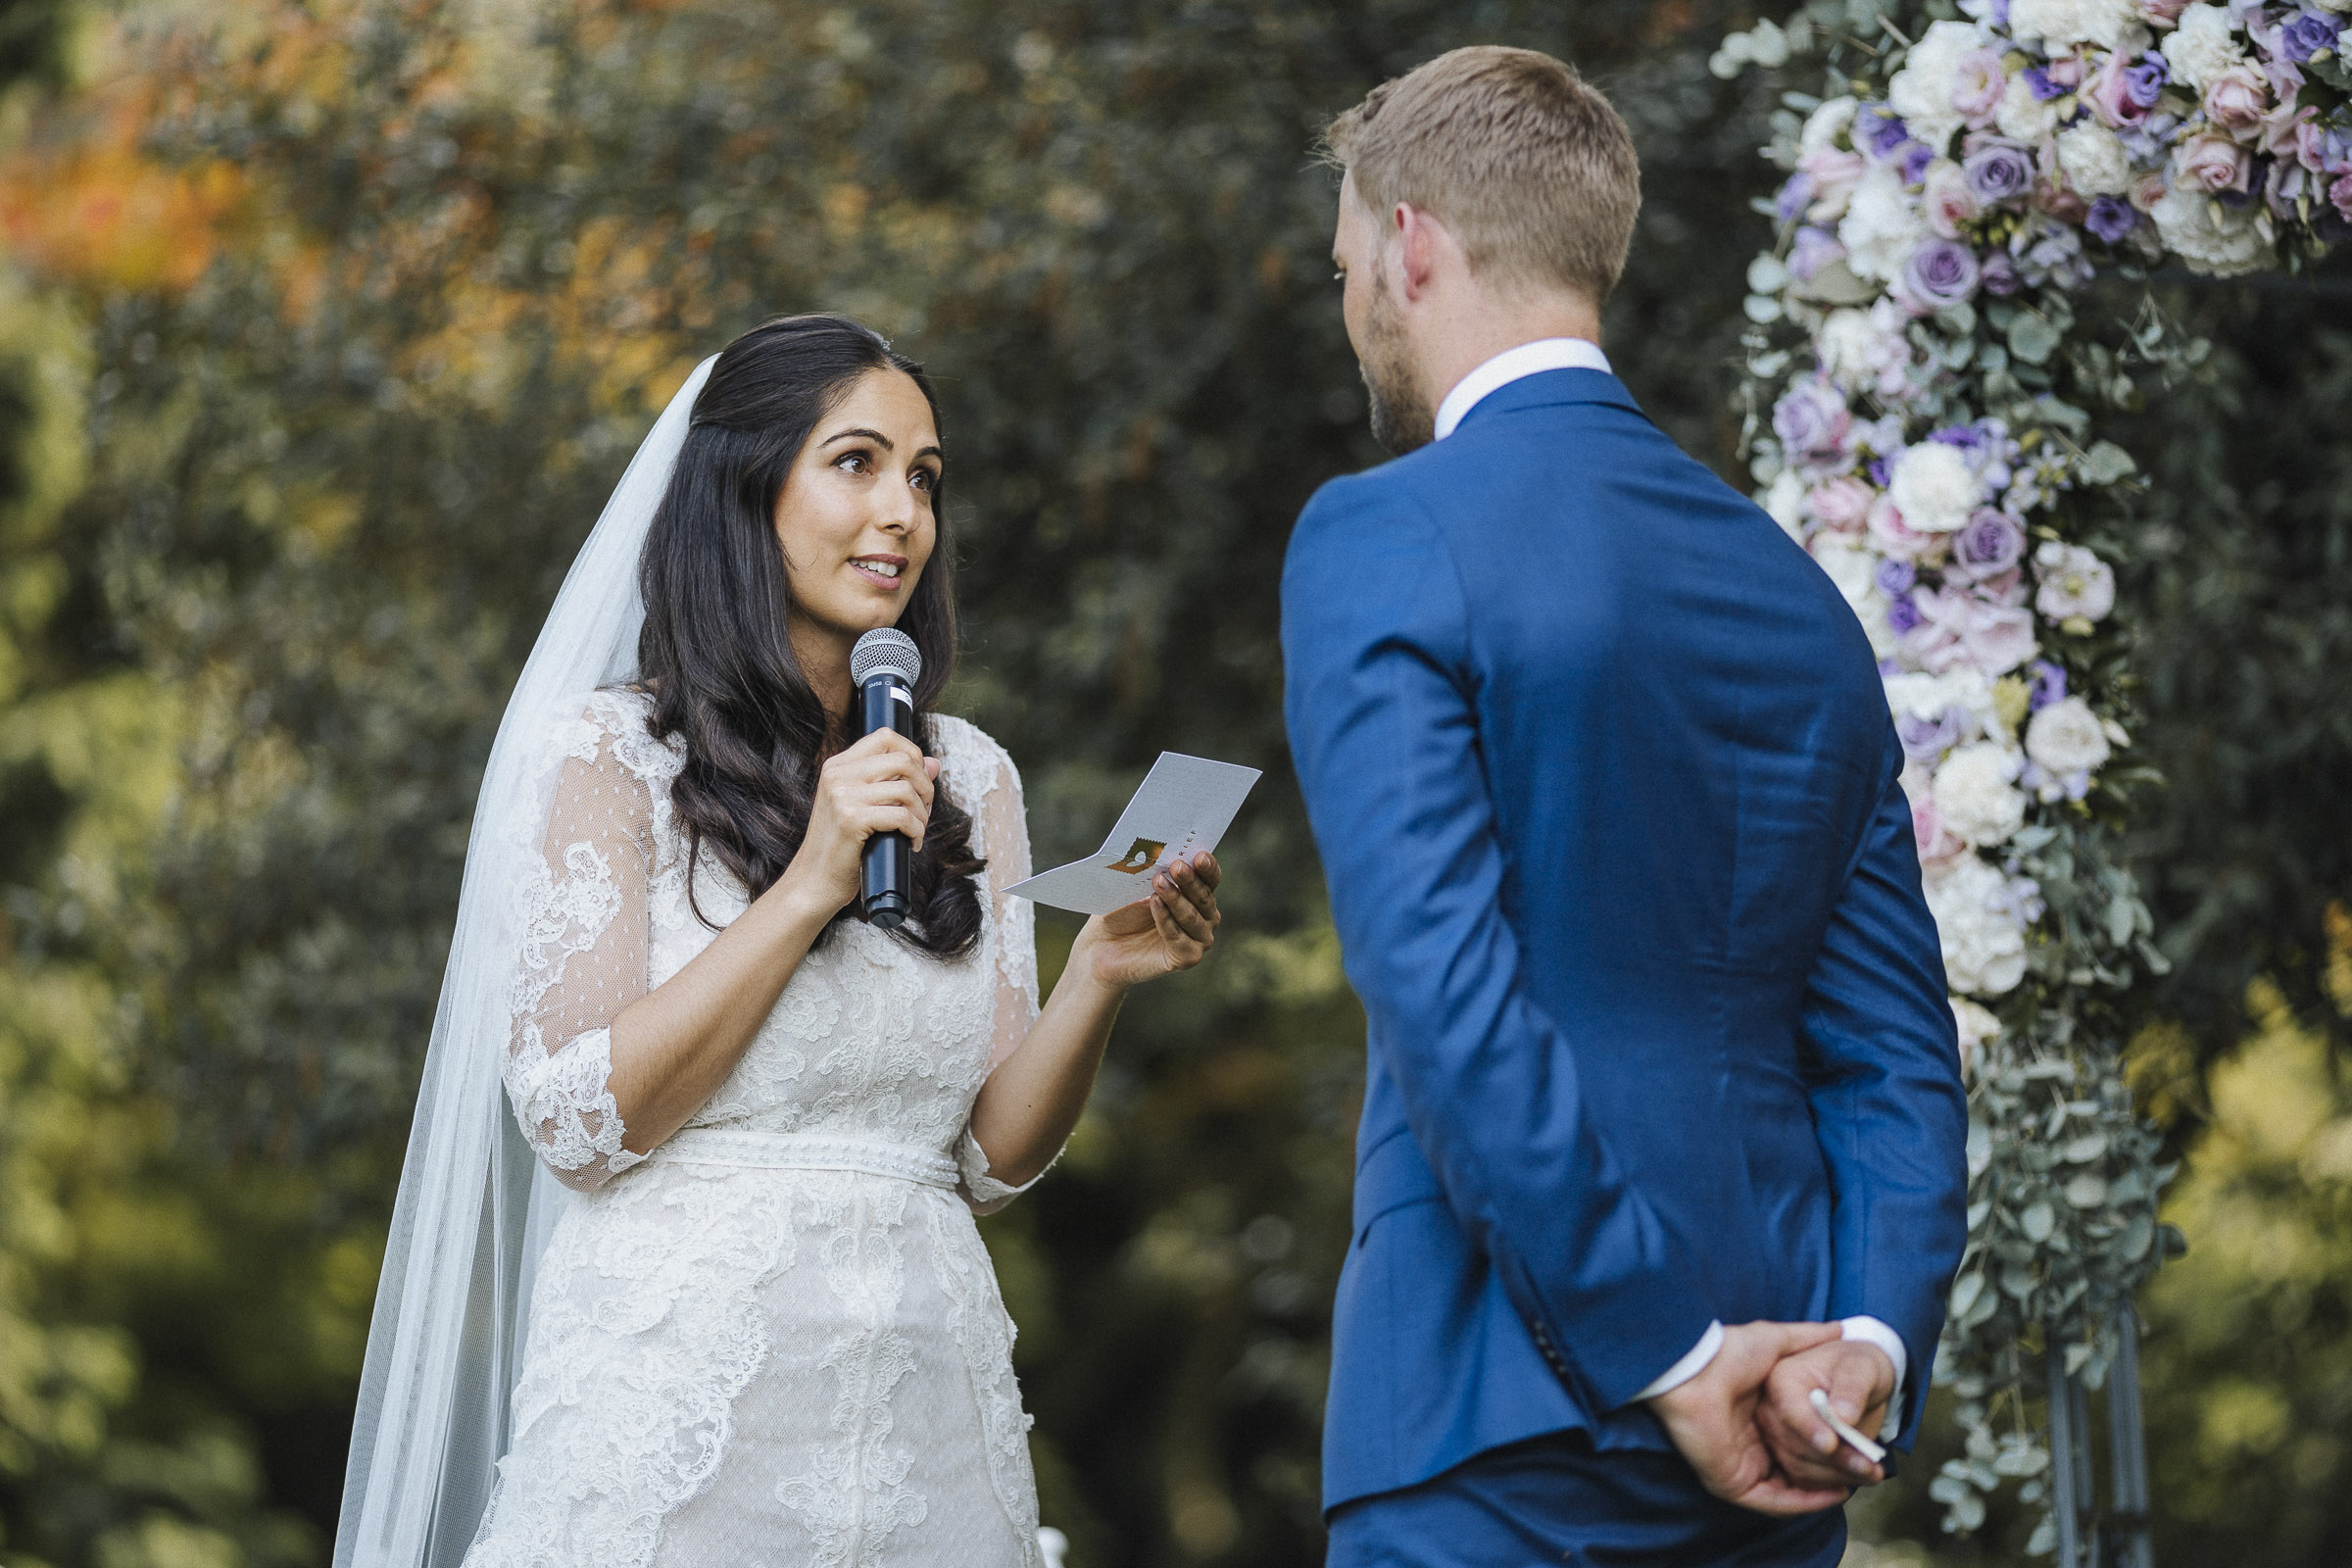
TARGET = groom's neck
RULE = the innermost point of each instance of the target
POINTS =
(1473, 324)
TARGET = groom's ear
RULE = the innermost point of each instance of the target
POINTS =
(1423, 246)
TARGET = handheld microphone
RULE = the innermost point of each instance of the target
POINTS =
(884, 666)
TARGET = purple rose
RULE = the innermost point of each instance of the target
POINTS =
(1794, 197)
(2110, 218)
(2144, 80)
(1998, 275)
(1926, 739)
(2049, 685)
(1940, 273)
(1813, 249)
(1879, 132)
(1988, 544)
(2037, 80)
(1903, 614)
(2310, 33)
(1913, 161)
(1811, 420)
(1998, 172)
(1897, 576)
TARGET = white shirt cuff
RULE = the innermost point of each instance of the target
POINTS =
(1870, 1330)
(1693, 1363)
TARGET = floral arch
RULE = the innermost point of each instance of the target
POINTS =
(1924, 380)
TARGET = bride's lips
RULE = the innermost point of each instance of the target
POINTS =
(888, 579)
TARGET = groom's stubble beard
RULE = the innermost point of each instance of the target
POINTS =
(1402, 418)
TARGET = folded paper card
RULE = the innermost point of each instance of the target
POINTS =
(1183, 806)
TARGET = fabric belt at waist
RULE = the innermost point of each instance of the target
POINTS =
(760, 1151)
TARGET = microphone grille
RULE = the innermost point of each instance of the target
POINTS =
(886, 651)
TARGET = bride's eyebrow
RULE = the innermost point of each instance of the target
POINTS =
(875, 436)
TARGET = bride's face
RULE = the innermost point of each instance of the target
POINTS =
(854, 516)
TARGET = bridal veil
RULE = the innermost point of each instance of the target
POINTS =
(475, 1208)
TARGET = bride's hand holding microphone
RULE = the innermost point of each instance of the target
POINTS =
(883, 784)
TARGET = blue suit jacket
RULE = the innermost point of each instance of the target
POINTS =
(1605, 784)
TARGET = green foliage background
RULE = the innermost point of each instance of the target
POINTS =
(277, 528)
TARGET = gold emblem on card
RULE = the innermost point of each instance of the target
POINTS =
(1142, 856)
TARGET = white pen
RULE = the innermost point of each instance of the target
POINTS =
(1861, 1444)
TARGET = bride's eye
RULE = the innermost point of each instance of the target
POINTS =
(846, 460)
(925, 480)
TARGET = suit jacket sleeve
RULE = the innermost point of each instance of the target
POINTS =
(1385, 736)
(1887, 1103)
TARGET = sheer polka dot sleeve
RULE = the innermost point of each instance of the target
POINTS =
(586, 931)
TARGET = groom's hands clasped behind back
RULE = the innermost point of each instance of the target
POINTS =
(1745, 1423)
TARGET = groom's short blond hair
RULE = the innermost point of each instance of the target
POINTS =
(1528, 166)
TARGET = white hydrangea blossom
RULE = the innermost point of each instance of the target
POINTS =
(2066, 737)
(1881, 226)
(1975, 916)
(1922, 91)
(1915, 694)
(1783, 501)
(2061, 24)
(1934, 488)
(1977, 793)
(1854, 569)
(2214, 239)
(2094, 159)
(2202, 45)
(2023, 116)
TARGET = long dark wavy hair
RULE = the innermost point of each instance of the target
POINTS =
(716, 653)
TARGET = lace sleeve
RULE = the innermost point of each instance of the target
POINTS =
(585, 936)
(1002, 823)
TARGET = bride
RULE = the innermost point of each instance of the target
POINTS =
(713, 1294)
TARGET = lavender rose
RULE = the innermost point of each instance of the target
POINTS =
(1878, 132)
(2049, 684)
(1941, 272)
(1998, 275)
(2110, 218)
(1926, 740)
(1990, 544)
(1897, 576)
(1811, 420)
(2310, 33)
(1998, 171)
(1813, 250)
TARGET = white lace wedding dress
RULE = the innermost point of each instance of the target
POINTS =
(777, 1339)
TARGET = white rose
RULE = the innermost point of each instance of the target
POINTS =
(1855, 571)
(2109, 24)
(2202, 45)
(1922, 91)
(2023, 116)
(2214, 239)
(1829, 121)
(1851, 349)
(2073, 582)
(1975, 1021)
(1975, 792)
(1983, 942)
(1934, 488)
(1921, 696)
(2067, 737)
(2094, 159)
(1783, 501)
(1882, 225)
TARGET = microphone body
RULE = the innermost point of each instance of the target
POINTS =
(885, 665)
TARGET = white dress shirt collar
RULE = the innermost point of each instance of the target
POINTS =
(1527, 358)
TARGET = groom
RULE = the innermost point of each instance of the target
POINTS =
(1663, 1123)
